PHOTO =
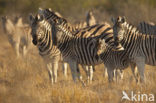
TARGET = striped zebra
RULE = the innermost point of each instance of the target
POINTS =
(115, 61)
(140, 48)
(90, 20)
(75, 49)
(147, 28)
(50, 60)
(18, 35)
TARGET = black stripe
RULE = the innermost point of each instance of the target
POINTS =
(92, 27)
(97, 29)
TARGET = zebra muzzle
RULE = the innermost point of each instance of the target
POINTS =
(34, 42)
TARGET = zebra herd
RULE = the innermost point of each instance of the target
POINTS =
(87, 43)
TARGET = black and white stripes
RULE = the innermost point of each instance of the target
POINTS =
(147, 28)
(140, 48)
(77, 49)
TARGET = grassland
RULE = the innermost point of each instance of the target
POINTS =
(26, 81)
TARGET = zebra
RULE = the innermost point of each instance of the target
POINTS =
(147, 28)
(115, 61)
(75, 49)
(53, 76)
(18, 35)
(90, 20)
(140, 48)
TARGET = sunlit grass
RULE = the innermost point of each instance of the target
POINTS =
(27, 81)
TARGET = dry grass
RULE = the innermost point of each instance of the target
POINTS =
(26, 81)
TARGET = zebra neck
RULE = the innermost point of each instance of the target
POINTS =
(130, 38)
(45, 42)
(65, 38)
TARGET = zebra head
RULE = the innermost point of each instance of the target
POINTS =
(90, 19)
(101, 46)
(50, 15)
(56, 23)
(37, 30)
(118, 28)
(8, 25)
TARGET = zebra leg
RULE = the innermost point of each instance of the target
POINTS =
(118, 75)
(17, 49)
(24, 50)
(55, 68)
(75, 73)
(114, 74)
(141, 67)
(50, 72)
(73, 68)
(121, 73)
(79, 75)
(90, 74)
(110, 72)
(64, 67)
(86, 69)
(134, 68)
(105, 72)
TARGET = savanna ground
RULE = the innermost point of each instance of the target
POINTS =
(27, 81)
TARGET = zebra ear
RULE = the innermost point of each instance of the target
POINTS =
(40, 11)
(101, 46)
(123, 19)
(4, 17)
(40, 17)
(102, 41)
(31, 18)
(19, 22)
(50, 9)
(113, 20)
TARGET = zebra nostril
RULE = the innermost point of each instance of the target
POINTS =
(34, 42)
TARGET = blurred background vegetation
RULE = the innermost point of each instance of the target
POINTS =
(134, 10)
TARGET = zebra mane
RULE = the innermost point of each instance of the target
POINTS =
(65, 30)
(131, 27)
(46, 24)
(147, 23)
(52, 17)
(134, 29)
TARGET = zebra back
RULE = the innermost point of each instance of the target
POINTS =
(147, 28)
